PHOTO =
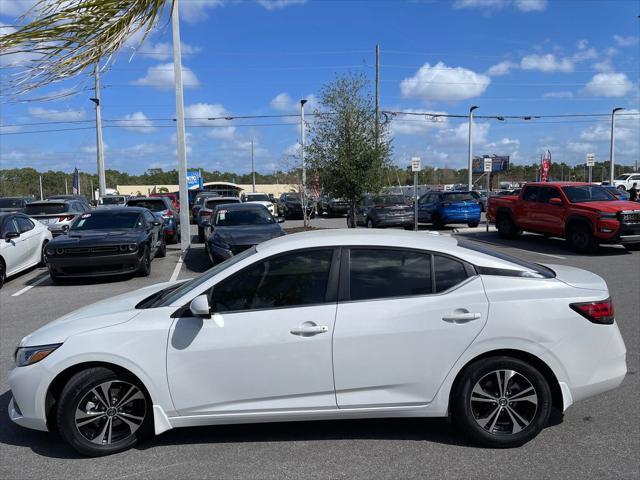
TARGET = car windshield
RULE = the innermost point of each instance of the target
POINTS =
(153, 205)
(112, 200)
(111, 221)
(233, 218)
(260, 197)
(457, 197)
(45, 208)
(10, 202)
(389, 200)
(161, 299)
(624, 176)
(587, 193)
(212, 204)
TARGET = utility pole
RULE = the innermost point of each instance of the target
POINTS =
(185, 228)
(40, 177)
(377, 93)
(66, 187)
(470, 159)
(303, 193)
(612, 145)
(99, 145)
(253, 168)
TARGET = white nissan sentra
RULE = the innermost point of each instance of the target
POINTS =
(327, 325)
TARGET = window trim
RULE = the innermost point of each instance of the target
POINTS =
(344, 294)
(331, 293)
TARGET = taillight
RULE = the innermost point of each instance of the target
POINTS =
(601, 311)
(205, 214)
(65, 218)
(167, 213)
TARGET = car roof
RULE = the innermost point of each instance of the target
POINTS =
(113, 211)
(233, 199)
(146, 199)
(240, 206)
(559, 184)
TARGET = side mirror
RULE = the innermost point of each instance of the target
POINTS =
(10, 235)
(280, 219)
(199, 306)
(555, 201)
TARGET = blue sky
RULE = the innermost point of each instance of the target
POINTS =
(509, 57)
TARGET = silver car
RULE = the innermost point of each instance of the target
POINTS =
(57, 215)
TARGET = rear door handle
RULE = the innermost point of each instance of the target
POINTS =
(308, 330)
(461, 317)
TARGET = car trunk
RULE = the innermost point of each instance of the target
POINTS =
(578, 278)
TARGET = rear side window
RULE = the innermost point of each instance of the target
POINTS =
(448, 272)
(530, 194)
(291, 280)
(384, 273)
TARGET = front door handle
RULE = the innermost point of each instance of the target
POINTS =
(309, 330)
(461, 317)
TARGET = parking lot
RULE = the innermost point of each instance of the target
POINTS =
(595, 438)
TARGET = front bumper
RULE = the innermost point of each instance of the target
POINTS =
(28, 387)
(94, 265)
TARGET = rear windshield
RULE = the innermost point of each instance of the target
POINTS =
(587, 193)
(153, 205)
(98, 221)
(10, 202)
(45, 208)
(536, 270)
(457, 197)
(211, 204)
(112, 200)
(257, 198)
(389, 200)
(200, 200)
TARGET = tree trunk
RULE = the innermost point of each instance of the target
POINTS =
(352, 212)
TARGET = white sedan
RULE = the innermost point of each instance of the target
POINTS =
(327, 325)
(260, 198)
(22, 243)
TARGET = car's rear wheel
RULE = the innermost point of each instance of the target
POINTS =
(581, 239)
(507, 228)
(3, 272)
(144, 270)
(436, 221)
(162, 249)
(501, 402)
(200, 234)
(370, 223)
(101, 412)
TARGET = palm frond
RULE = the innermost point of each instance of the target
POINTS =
(67, 37)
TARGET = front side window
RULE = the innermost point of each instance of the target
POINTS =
(291, 280)
(530, 194)
(24, 224)
(383, 273)
(547, 193)
(448, 272)
(10, 226)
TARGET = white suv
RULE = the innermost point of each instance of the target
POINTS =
(626, 181)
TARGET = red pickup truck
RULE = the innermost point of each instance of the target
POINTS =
(583, 213)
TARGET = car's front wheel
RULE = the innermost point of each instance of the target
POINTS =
(501, 402)
(101, 412)
(144, 270)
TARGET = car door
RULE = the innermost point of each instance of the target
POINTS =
(267, 346)
(154, 230)
(404, 317)
(15, 251)
(30, 234)
(549, 218)
(529, 207)
(425, 203)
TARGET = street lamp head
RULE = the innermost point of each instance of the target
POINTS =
(473, 108)
(617, 109)
(302, 102)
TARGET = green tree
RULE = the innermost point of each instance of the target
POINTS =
(347, 155)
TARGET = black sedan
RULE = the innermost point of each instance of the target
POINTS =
(117, 241)
(239, 226)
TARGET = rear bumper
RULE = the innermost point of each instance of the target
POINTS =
(339, 209)
(462, 217)
(394, 221)
(94, 266)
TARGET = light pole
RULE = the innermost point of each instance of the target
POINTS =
(102, 184)
(470, 159)
(303, 193)
(611, 147)
(253, 169)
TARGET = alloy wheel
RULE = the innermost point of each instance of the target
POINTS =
(110, 412)
(504, 402)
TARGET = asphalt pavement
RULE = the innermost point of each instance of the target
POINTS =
(596, 438)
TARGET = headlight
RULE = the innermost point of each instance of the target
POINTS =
(29, 355)
(133, 247)
(50, 251)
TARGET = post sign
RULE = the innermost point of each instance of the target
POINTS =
(416, 164)
(591, 159)
(193, 179)
(488, 164)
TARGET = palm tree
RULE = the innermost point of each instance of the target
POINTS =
(65, 38)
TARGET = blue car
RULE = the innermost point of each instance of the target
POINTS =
(441, 208)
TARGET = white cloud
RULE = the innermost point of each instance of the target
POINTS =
(137, 122)
(16, 59)
(505, 143)
(57, 115)
(143, 150)
(604, 65)
(16, 8)
(629, 41)
(580, 147)
(277, 4)
(460, 134)
(585, 54)
(546, 63)
(502, 68)
(609, 85)
(561, 94)
(415, 124)
(161, 77)
(164, 50)
(196, 10)
(442, 83)
(582, 44)
(284, 103)
(521, 5)
(198, 113)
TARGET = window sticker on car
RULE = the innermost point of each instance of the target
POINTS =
(222, 214)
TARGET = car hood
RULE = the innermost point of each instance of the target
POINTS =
(105, 313)
(248, 235)
(96, 237)
(609, 206)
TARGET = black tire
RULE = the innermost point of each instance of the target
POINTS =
(43, 254)
(144, 270)
(473, 224)
(162, 249)
(200, 234)
(350, 222)
(175, 238)
(632, 247)
(370, 223)
(79, 397)
(3, 273)
(490, 422)
(581, 239)
(436, 221)
(506, 227)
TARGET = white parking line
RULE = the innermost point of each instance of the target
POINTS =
(176, 270)
(29, 287)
